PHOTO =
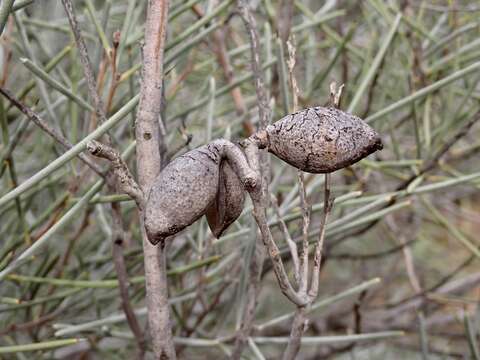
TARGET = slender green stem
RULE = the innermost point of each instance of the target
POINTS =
(374, 67)
(70, 154)
(5, 8)
(424, 92)
(45, 345)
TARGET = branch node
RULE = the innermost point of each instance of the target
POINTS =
(120, 171)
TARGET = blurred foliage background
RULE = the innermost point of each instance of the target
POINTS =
(402, 248)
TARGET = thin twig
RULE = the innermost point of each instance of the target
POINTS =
(125, 180)
(260, 164)
(119, 169)
(299, 320)
(53, 133)
(5, 8)
(296, 333)
(219, 47)
(407, 254)
(292, 245)
(303, 267)
(317, 257)
(274, 252)
(262, 101)
(85, 60)
(335, 98)
(115, 75)
(305, 225)
(298, 325)
(118, 236)
(284, 25)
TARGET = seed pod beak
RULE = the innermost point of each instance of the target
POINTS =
(377, 143)
(154, 238)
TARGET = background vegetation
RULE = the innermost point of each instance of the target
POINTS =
(400, 261)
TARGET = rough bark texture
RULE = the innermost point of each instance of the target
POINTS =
(147, 132)
(321, 140)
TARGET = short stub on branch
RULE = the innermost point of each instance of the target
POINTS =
(125, 181)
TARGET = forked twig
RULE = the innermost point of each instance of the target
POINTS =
(292, 245)
(125, 180)
(317, 257)
(53, 133)
(305, 225)
(259, 163)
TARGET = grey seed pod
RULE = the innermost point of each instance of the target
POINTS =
(187, 187)
(228, 204)
(321, 140)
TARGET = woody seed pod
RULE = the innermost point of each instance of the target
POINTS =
(228, 204)
(187, 187)
(321, 140)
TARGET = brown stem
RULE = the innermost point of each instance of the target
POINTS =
(261, 165)
(115, 75)
(317, 257)
(223, 59)
(292, 245)
(303, 283)
(85, 60)
(42, 124)
(262, 101)
(149, 139)
(219, 47)
(298, 326)
(274, 253)
(119, 169)
(118, 243)
(27, 326)
(296, 333)
(284, 25)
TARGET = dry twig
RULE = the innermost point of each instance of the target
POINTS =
(260, 164)
(119, 169)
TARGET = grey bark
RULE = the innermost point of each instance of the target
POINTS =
(149, 141)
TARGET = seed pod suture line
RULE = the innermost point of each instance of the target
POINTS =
(188, 186)
(228, 204)
(320, 140)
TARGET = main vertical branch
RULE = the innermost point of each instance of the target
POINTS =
(149, 140)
